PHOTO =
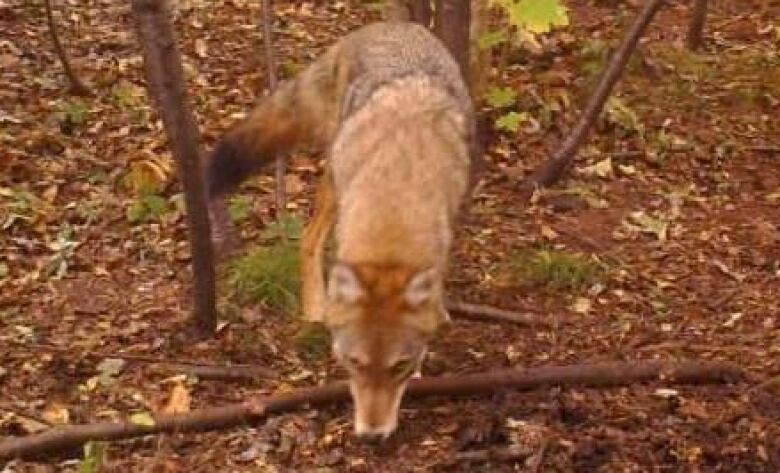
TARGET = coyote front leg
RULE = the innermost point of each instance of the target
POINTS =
(312, 249)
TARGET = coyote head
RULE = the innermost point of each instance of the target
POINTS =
(381, 318)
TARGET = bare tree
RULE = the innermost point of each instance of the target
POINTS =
(77, 86)
(696, 26)
(166, 83)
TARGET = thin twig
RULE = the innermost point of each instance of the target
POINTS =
(591, 375)
(221, 373)
(484, 313)
(77, 86)
(270, 67)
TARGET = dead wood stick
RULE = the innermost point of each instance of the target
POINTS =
(484, 313)
(555, 167)
(165, 76)
(503, 454)
(589, 375)
(223, 373)
(77, 86)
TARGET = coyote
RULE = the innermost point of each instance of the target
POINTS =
(389, 105)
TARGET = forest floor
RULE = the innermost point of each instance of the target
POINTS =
(667, 230)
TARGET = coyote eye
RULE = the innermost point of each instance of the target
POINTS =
(402, 368)
(355, 362)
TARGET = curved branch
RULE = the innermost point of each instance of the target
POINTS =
(555, 167)
(253, 410)
(485, 313)
(77, 86)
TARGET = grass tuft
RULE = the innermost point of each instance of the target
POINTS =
(269, 275)
(554, 269)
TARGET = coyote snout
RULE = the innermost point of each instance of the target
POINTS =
(381, 318)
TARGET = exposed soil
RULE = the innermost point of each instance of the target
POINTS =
(699, 153)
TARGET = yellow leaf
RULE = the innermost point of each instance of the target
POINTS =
(581, 305)
(56, 414)
(179, 401)
(142, 418)
(549, 233)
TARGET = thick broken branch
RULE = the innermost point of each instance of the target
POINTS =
(484, 313)
(592, 375)
(555, 167)
(696, 26)
(166, 82)
(77, 86)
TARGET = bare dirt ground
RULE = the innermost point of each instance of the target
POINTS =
(683, 220)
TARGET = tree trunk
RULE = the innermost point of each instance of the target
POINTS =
(166, 84)
(452, 26)
(479, 68)
(270, 66)
(696, 26)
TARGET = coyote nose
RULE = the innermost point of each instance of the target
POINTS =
(373, 434)
(372, 438)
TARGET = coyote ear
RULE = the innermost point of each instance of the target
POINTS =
(421, 288)
(344, 285)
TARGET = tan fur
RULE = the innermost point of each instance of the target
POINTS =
(389, 103)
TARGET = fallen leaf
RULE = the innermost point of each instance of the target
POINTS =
(56, 414)
(581, 305)
(179, 401)
(549, 233)
(602, 169)
(142, 418)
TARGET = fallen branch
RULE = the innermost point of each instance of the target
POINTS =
(484, 313)
(696, 26)
(77, 86)
(555, 167)
(165, 77)
(501, 454)
(216, 372)
(253, 410)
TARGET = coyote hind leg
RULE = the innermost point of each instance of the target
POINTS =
(312, 250)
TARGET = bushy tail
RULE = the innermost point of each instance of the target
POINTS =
(304, 110)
